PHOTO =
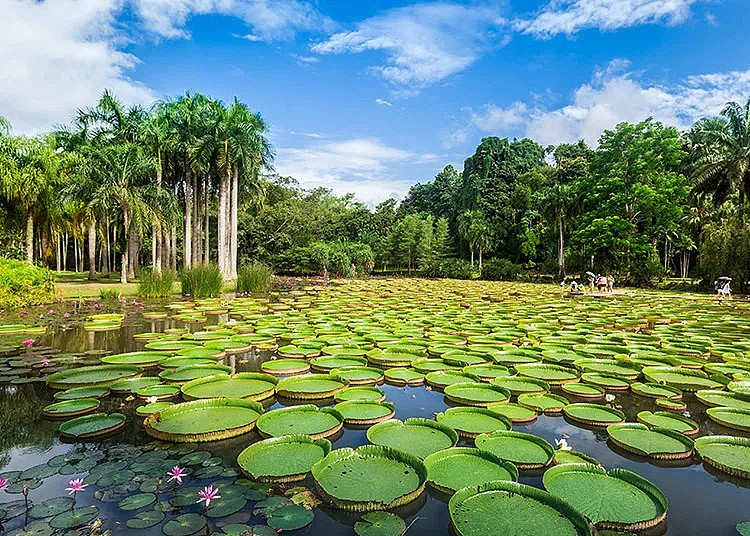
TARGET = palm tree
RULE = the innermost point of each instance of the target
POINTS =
(555, 203)
(474, 229)
(722, 153)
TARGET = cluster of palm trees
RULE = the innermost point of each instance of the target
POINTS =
(120, 174)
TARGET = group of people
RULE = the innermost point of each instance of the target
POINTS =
(601, 282)
(722, 289)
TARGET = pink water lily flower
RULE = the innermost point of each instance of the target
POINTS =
(67, 315)
(4, 484)
(45, 361)
(208, 494)
(22, 313)
(28, 342)
(176, 473)
(76, 485)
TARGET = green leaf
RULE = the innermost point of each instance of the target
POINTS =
(184, 525)
(290, 517)
(51, 507)
(144, 520)
(134, 502)
(71, 519)
(226, 506)
(380, 524)
(36, 528)
(743, 528)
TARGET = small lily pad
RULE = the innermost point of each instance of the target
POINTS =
(380, 524)
(51, 507)
(135, 502)
(184, 525)
(290, 518)
(77, 517)
(144, 520)
(226, 506)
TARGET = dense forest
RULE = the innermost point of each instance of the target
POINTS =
(191, 181)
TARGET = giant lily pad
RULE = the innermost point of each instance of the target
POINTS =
(282, 459)
(139, 359)
(369, 478)
(187, 373)
(359, 375)
(316, 386)
(453, 469)
(657, 443)
(71, 408)
(250, 385)
(131, 385)
(519, 386)
(285, 367)
(481, 510)
(609, 382)
(726, 453)
(365, 411)
(404, 376)
(328, 363)
(583, 390)
(51, 507)
(137, 501)
(664, 419)
(92, 426)
(82, 392)
(618, 499)
(526, 451)
(158, 391)
(170, 347)
(74, 518)
(419, 437)
(97, 375)
(146, 519)
(515, 412)
(656, 390)
(470, 422)
(738, 419)
(362, 392)
(380, 524)
(443, 378)
(153, 407)
(714, 398)
(204, 420)
(552, 374)
(476, 394)
(545, 403)
(681, 378)
(593, 414)
(487, 372)
(306, 419)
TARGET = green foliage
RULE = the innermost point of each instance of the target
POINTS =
(201, 281)
(451, 269)
(23, 284)
(109, 294)
(254, 278)
(501, 270)
(153, 284)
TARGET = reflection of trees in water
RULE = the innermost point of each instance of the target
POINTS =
(21, 422)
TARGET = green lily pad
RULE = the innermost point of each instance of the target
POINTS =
(285, 367)
(570, 456)
(316, 386)
(71, 408)
(545, 403)
(139, 359)
(738, 419)
(476, 394)
(618, 499)
(146, 519)
(526, 451)
(290, 518)
(519, 386)
(187, 373)
(131, 385)
(51, 507)
(153, 407)
(77, 517)
(359, 375)
(552, 374)
(306, 419)
(404, 376)
(184, 525)
(658, 443)
(515, 412)
(443, 378)
(726, 453)
(743, 528)
(93, 376)
(479, 511)
(135, 502)
(379, 524)
(583, 390)
(92, 426)
(282, 459)
(455, 468)
(360, 392)
(35, 528)
(419, 437)
(82, 392)
(663, 419)
(328, 363)
(365, 411)
(681, 378)
(226, 506)
(656, 390)
(470, 421)
(593, 414)
(607, 381)
(714, 398)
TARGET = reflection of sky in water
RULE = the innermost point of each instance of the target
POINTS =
(700, 503)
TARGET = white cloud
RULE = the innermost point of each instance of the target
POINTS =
(612, 97)
(57, 56)
(270, 20)
(306, 59)
(422, 43)
(383, 102)
(570, 16)
(360, 166)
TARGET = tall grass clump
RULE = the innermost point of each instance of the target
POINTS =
(201, 281)
(23, 284)
(109, 294)
(156, 284)
(254, 278)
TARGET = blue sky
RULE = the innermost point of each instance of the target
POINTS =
(371, 97)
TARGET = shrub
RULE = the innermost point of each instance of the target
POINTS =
(109, 294)
(155, 284)
(451, 269)
(254, 278)
(501, 270)
(201, 281)
(22, 284)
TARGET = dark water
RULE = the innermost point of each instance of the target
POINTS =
(701, 500)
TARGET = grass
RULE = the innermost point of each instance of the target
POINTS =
(254, 278)
(202, 281)
(156, 284)
(77, 285)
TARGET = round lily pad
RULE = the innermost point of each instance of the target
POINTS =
(153, 407)
(98, 375)
(285, 367)
(145, 519)
(726, 453)
(171, 347)
(593, 414)
(306, 419)
(365, 411)
(92, 426)
(328, 363)
(137, 501)
(426, 365)
(35, 528)
(545, 403)
(713, 398)
(158, 391)
(316, 386)
(226, 505)
(389, 358)
(369, 478)
(249, 385)
(680, 378)
(74, 518)
(419, 437)
(282, 459)
(670, 404)
(443, 378)
(479, 511)
(738, 419)
(609, 382)
(131, 385)
(82, 392)
(519, 386)
(663, 419)
(71, 408)
(181, 361)
(657, 443)
(526, 451)
(618, 499)
(187, 373)
(51, 507)
(139, 359)
(470, 422)
(552, 374)
(404, 376)
(359, 375)
(203, 420)
(380, 524)
(656, 390)
(290, 518)
(476, 394)
(453, 469)
(362, 392)
(570, 456)
(515, 412)
(583, 390)
(184, 525)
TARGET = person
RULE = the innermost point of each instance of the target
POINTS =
(726, 291)
(574, 287)
(719, 288)
(601, 282)
(610, 283)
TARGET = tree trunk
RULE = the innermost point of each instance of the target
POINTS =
(233, 224)
(75, 252)
(472, 258)
(58, 257)
(65, 253)
(174, 248)
(224, 182)
(197, 236)
(165, 249)
(156, 244)
(187, 242)
(133, 249)
(560, 248)
(105, 259)
(206, 225)
(125, 261)
(30, 237)
(92, 249)
(480, 259)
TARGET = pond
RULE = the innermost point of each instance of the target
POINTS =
(606, 342)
